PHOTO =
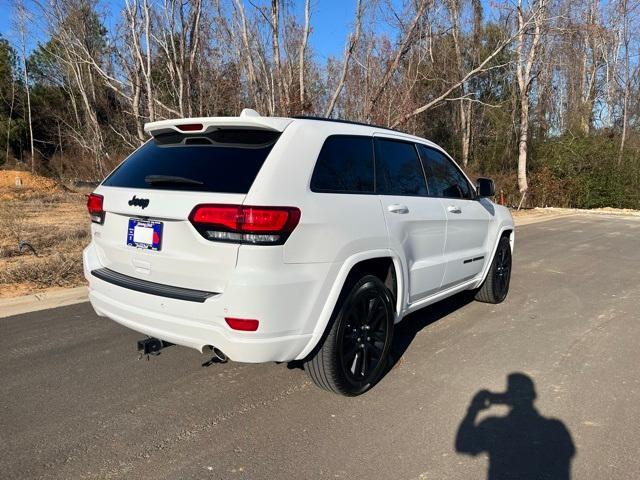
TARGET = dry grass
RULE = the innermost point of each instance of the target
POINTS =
(51, 220)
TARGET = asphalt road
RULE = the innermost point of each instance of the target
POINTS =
(76, 403)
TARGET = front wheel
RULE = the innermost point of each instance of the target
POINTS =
(353, 355)
(496, 285)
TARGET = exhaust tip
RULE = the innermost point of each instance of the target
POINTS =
(218, 356)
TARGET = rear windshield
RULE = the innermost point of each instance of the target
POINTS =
(225, 161)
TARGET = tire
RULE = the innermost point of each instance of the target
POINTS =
(496, 285)
(353, 355)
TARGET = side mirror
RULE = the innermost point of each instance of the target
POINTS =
(485, 187)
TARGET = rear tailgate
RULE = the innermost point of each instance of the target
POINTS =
(156, 189)
(185, 259)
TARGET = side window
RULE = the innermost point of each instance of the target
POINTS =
(398, 169)
(443, 177)
(345, 164)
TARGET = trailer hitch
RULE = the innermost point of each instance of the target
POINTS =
(151, 346)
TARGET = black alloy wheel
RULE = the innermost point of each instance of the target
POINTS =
(496, 284)
(353, 356)
(502, 271)
(363, 336)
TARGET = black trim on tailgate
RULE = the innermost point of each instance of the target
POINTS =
(151, 288)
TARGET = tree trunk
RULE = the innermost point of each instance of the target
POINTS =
(22, 20)
(464, 106)
(246, 55)
(135, 107)
(522, 143)
(627, 77)
(275, 48)
(303, 47)
(465, 124)
(10, 117)
(526, 53)
(147, 64)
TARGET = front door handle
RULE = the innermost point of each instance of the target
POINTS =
(454, 209)
(398, 208)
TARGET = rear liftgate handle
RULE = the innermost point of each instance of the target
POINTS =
(398, 208)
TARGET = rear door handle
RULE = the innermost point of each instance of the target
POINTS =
(398, 208)
(454, 209)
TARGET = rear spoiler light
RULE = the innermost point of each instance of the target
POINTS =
(190, 127)
(245, 224)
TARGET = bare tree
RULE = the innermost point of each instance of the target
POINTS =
(348, 52)
(177, 34)
(405, 45)
(464, 103)
(483, 67)
(275, 51)
(22, 28)
(10, 117)
(625, 39)
(526, 51)
(301, 55)
(590, 63)
(137, 67)
(245, 53)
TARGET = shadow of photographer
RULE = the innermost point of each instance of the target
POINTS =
(521, 445)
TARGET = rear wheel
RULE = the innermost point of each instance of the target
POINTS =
(496, 285)
(353, 355)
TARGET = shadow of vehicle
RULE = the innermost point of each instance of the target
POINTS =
(521, 445)
(405, 331)
(408, 328)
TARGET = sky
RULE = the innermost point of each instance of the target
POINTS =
(331, 22)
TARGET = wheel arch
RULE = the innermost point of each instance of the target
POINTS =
(504, 231)
(380, 263)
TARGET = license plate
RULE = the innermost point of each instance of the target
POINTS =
(146, 234)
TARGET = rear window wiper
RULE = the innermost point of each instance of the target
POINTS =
(154, 179)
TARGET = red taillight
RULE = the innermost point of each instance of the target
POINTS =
(94, 205)
(243, 324)
(266, 219)
(245, 224)
(219, 215)
(190, 127)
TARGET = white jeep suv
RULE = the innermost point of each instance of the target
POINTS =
(279, 239)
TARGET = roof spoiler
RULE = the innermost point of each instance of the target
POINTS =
(248, 119)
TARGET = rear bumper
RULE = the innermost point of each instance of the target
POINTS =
(194, 334)
(282, 301)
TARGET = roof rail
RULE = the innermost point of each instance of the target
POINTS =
(339, 120)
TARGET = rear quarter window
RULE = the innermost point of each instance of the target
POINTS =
(224, 161)
(345, 165)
